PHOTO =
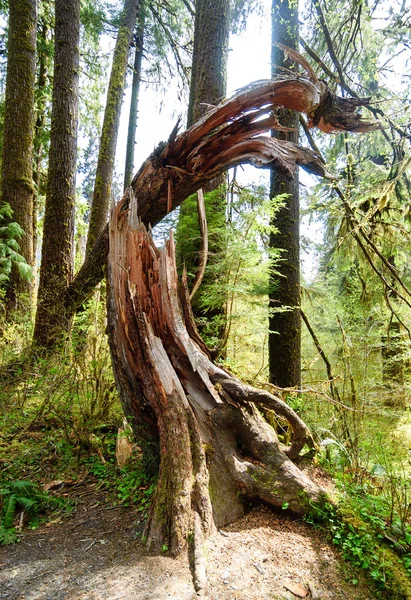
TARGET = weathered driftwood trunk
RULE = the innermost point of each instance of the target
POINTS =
(216, 452)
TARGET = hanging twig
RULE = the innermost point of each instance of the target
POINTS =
(334, 390)
(173, 44)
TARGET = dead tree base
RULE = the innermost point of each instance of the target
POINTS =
(217, 454)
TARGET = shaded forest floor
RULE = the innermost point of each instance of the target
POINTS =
(96, 553)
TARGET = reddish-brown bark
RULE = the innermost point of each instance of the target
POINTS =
(216, 452)
(57, 262)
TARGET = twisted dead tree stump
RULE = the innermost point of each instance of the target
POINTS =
(217, 454)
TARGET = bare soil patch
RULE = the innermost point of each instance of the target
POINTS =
(96, 553)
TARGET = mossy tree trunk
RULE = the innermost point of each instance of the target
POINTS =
(111, 122)
(207, 88)
(392, 355)
(40, 129)
(210, 53)
(284, 338)
(56, 271)
(17, 160)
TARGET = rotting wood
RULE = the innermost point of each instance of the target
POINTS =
(216, 452)
(200, 574)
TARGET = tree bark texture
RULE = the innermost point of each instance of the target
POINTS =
(111, 122)
(392, 357)
(44, 62)
(284, 339)
(56, 269)
(210, 54)
(135, 88)
(227, 136)
(216, 452)
(207, 89)
(17, 160)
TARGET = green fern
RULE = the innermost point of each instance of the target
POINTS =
(30, 498)
(8, 536)
(9, 248)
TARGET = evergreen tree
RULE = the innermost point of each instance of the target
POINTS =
(284, 297)
(207, 88)
(135, 88)
(17, 171)
(45, 47)
(108, 140)
(56, 269)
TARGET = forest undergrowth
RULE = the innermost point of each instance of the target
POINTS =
(61, 418)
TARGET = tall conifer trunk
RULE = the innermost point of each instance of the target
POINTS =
(285, 326)
(207, 89)
(56, 271)
(44, 61)
(17, 161)
(210, 54)
(135, 88)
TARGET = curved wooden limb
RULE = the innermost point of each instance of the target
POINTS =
(245, 393)
(256, 462)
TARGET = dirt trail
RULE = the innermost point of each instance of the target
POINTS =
(95, 554)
